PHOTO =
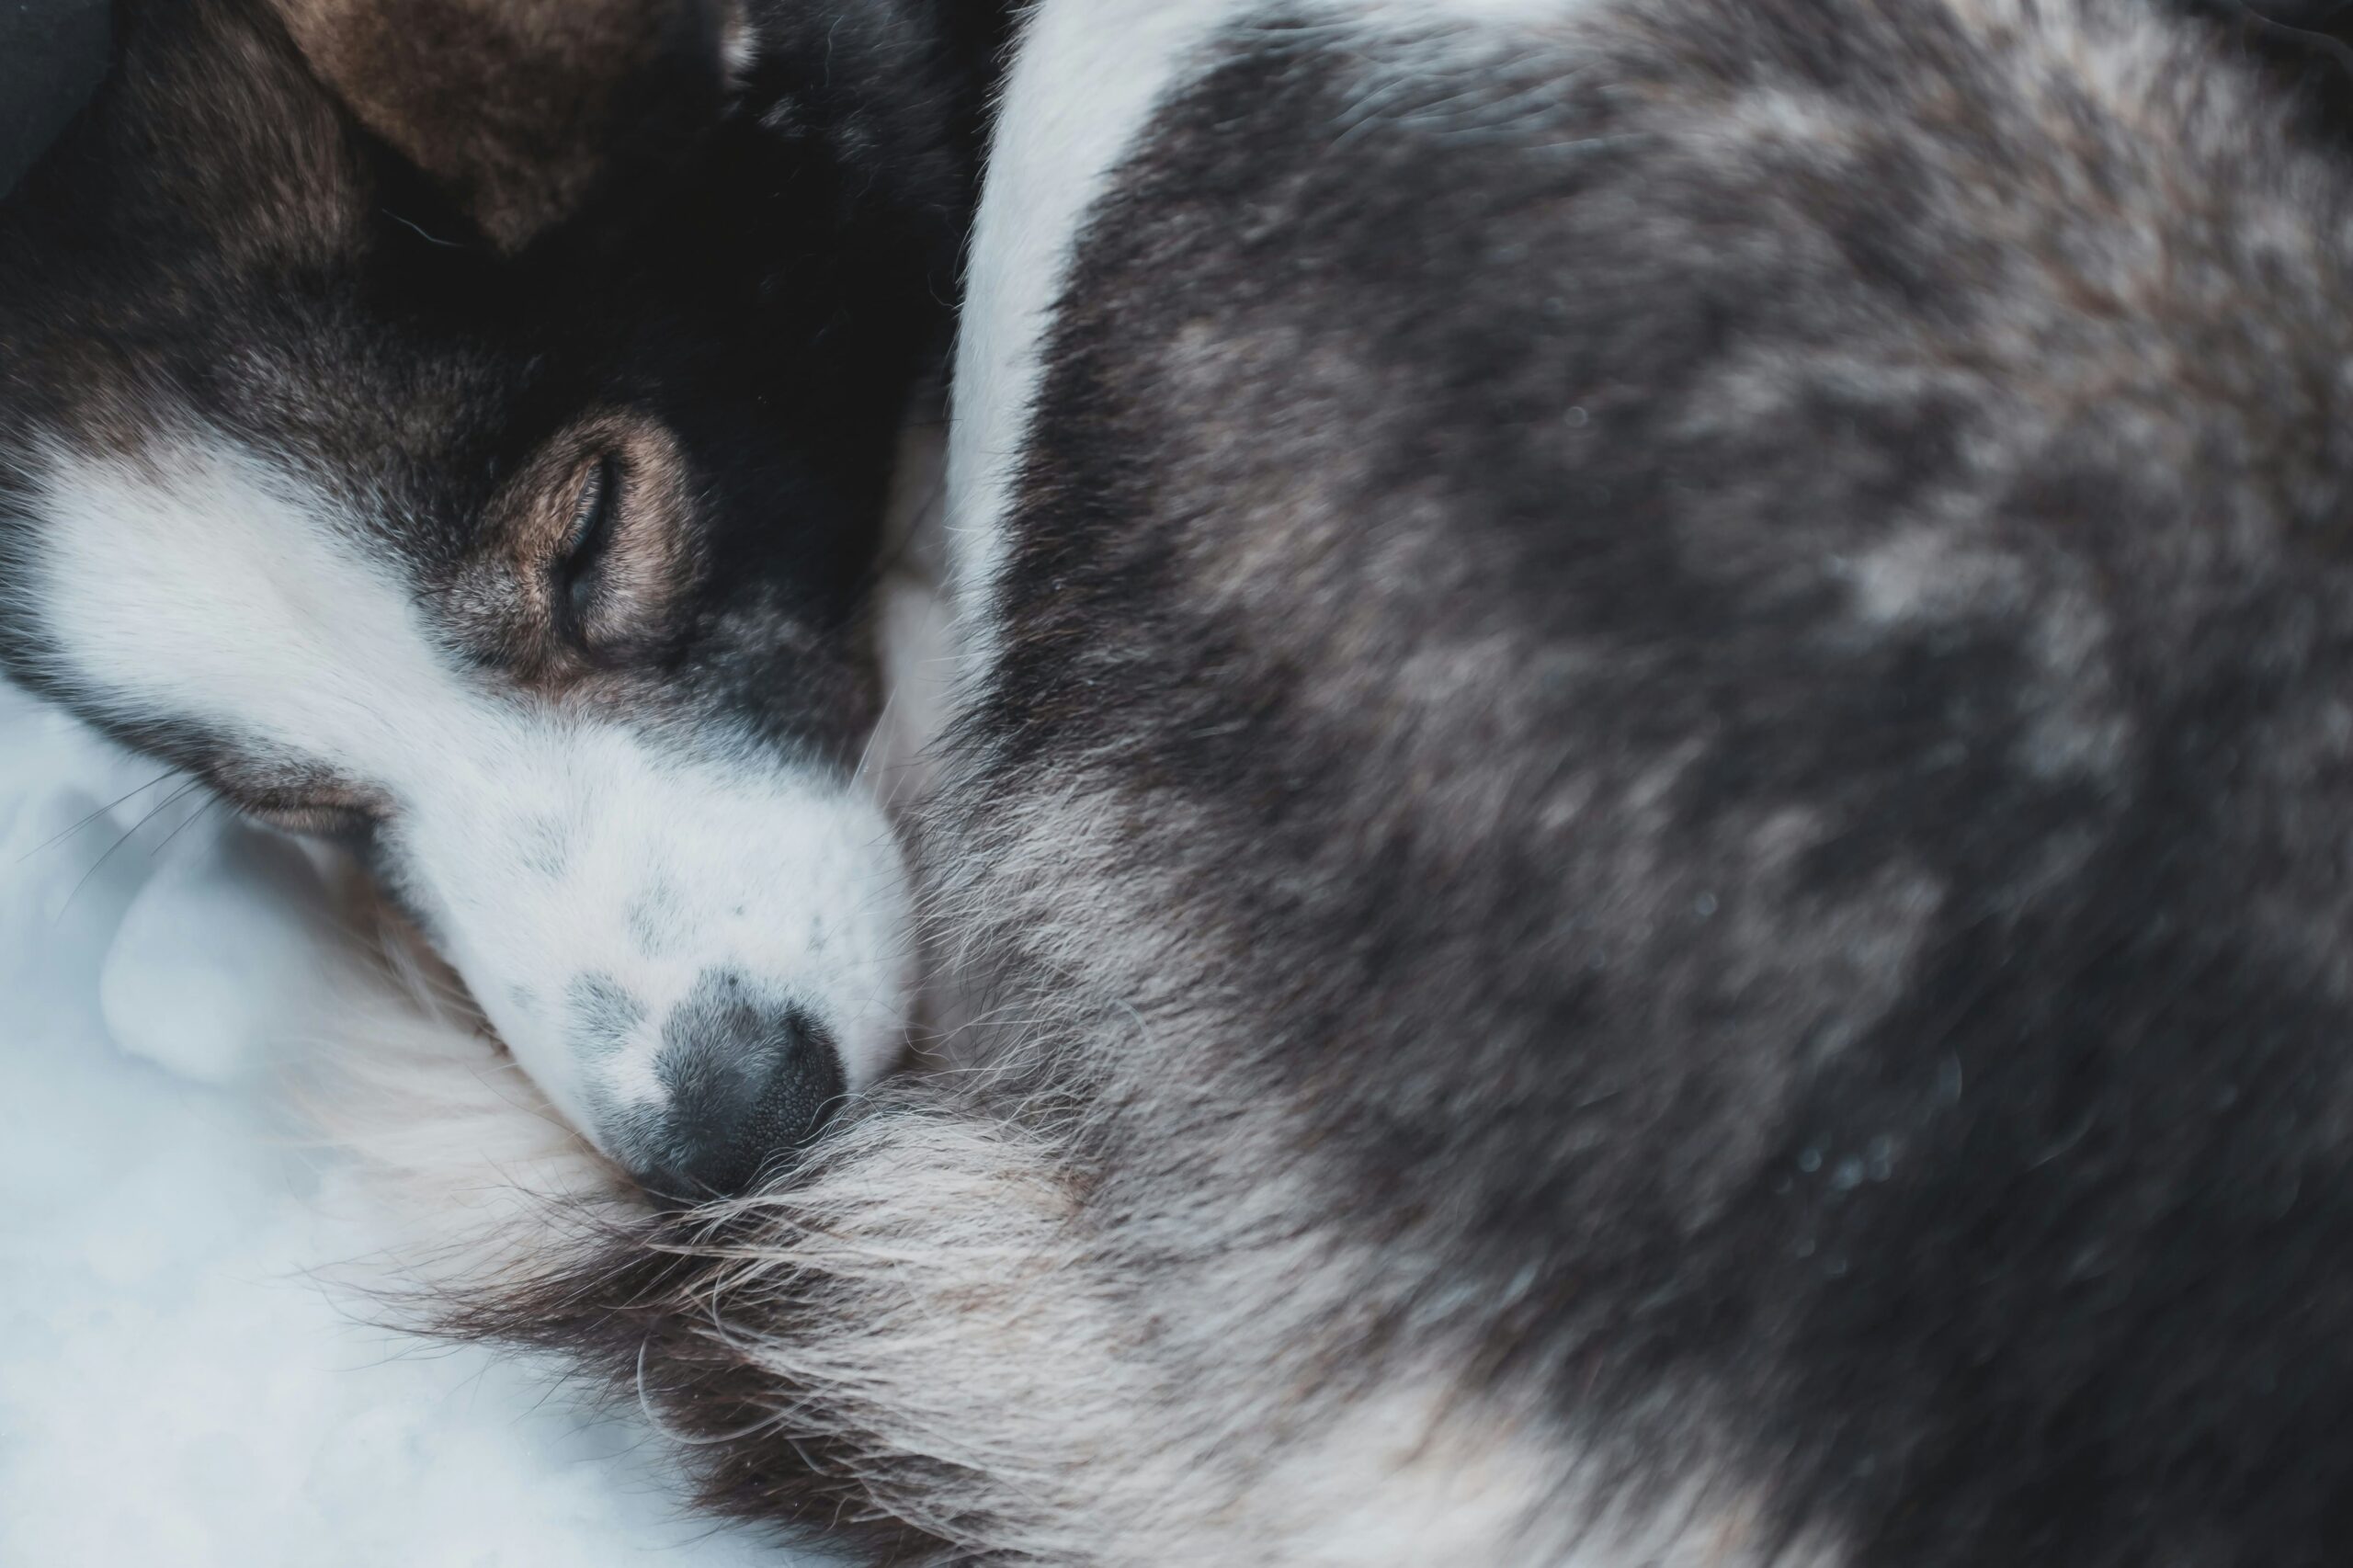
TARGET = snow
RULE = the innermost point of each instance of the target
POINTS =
(185, 1379)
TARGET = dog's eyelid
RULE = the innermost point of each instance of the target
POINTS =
(592, 551)
(593, 510)
(595, 519)
(317, 816)
(621, 555)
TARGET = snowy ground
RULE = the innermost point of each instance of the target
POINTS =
(180, 1385)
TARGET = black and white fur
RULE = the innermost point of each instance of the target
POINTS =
(1649, 810)
(1645, 817)
(511, 513)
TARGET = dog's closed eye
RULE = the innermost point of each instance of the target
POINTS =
(313, 817)
(295, 798)
(595, 535)
(609, 579)
(580, 584)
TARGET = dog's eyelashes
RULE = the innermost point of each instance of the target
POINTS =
(578, 573)
(601, 541)
(311, 818)
(293, 796)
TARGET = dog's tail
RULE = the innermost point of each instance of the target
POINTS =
(946, 1338)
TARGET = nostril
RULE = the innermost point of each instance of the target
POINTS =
(794, 1105)
(741, 1101)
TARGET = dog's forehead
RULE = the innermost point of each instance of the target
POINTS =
(212, 236)
(258, 371)
(220, 220)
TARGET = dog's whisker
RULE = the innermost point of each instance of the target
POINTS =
(117, 802)
(128, 835)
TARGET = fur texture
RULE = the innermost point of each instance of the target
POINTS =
(511, 513)
(1642, 849)
(517, 106)
(1652, 832)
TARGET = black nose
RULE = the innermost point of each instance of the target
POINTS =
(748, 1086)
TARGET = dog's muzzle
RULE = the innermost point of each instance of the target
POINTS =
(749, 1083)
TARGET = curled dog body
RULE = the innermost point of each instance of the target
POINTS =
(1646, 813)
(1647, 809)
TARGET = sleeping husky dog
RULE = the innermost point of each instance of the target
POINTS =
(1651, 810)
(461, 428)
(1647, 813)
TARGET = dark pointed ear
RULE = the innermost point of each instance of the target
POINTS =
(517, 108)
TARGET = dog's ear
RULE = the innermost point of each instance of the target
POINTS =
(517, 108)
